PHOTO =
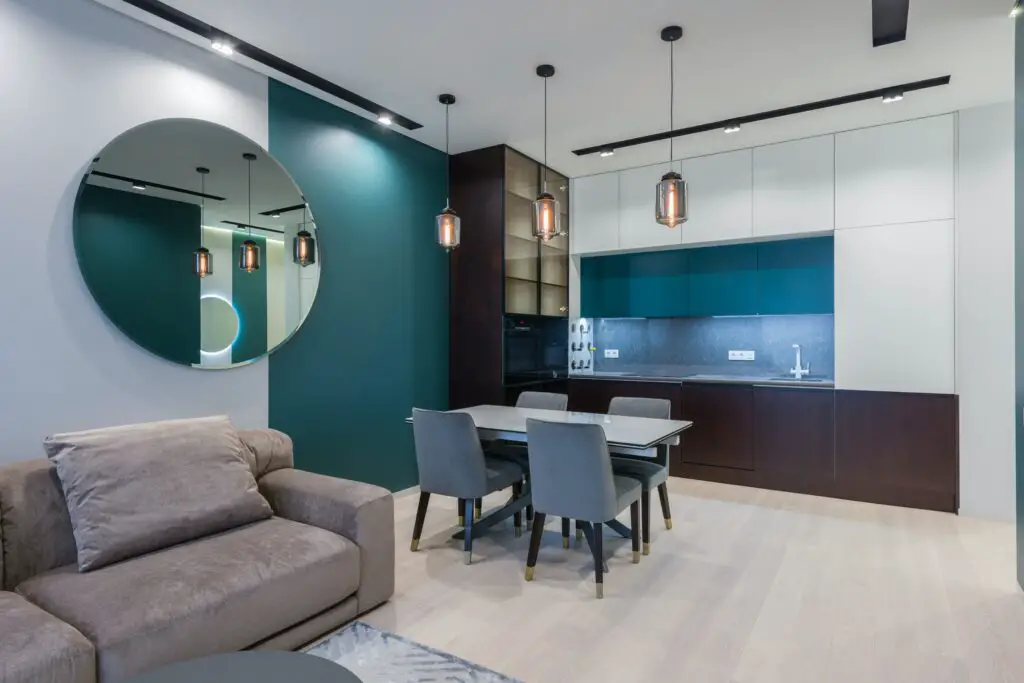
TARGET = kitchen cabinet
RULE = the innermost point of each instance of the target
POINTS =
(897, 173)
(795, 276)
(894, 308)
(604, 286)
(794, 187)
(794, 437)
(723, 280)
(722, 434)
(595, 215)
(637, 193)
(659, 284)
(720, 198)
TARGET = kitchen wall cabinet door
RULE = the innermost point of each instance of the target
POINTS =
(605, 286)
(894, 296)
(723, 280)
(794, 187)
(720, 197)
(899, 173)
(637, 194)
(722, 434)
(595, 214)
(795, 276)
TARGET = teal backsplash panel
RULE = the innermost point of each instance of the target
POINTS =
(796, 276)
(723, 280)
(375, 343)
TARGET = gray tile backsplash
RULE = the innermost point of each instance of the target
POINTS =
(685, 346)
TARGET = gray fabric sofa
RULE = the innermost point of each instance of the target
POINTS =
(326, 556)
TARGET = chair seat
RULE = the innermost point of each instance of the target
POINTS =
(649, 474)
(627, 492)
(501, 473)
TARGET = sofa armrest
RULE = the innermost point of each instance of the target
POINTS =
(362, 513)
(37, 647)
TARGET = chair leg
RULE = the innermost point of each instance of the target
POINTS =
(565, 531)
(531, 555)
(634, 529)
(599, 558)
(478, 509)
(645, 507)
(467, 544)
(529, 516)
(517, 518)
(462, 509)
(666, 511)
(421, 514)
(579, 532)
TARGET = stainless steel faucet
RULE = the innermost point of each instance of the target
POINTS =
(799, 372)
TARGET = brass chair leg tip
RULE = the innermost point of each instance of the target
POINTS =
(647, 548)
(565, 542)
(469, 557)
(476, 516)
(600, 591)
(636, 557)
(462, 521)
(415, 545)
(529, 573)
(579, 535)
(519, 531)
(668, 522)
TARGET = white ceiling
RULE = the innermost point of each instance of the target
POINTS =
(737, 57)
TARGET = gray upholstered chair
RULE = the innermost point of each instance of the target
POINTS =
(542, 400)
(452, 463)
(571, 475)
(651, 473)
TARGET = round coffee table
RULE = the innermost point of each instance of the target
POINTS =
(250, 667)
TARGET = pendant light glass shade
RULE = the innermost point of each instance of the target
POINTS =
(671, 205)
(547, 221)
(304, 246)
(249, 256)
(202, 259)
(448, 223)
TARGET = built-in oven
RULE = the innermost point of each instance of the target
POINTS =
(536, 348)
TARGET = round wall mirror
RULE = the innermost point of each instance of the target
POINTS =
(196, 243)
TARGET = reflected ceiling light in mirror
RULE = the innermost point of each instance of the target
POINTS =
(671, 206)
(607, 153)
(249, 253)
(136, 185)
(385, 119)
(223, 47)
(304, 246)
(547, 214)
(202, 259)
(449, 225)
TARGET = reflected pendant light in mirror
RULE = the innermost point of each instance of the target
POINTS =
(202, 259)
(249, 253)
(448, 222)
(547, 215)
(671, 205)
(304, 246)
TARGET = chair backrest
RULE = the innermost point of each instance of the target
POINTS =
(542, 400)
(571, 470)
(449, 455)
(658, 408)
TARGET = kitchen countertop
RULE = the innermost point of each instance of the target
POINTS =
(812, 383)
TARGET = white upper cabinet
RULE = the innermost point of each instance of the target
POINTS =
(794, 187)
(637, 196)
(894, 316)
(899, 173)
(595, 214)
(720, 197)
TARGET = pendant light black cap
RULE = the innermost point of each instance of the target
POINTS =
(446, 99)
(202, 169)
(545, 71)
(671, 34)
(249, 156)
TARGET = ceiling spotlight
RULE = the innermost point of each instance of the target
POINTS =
(894, 96)
(275, 215)
(223, 47)
(732, 128)
(136, 185)
(1017, 10)
(385, 119)
(607, 152)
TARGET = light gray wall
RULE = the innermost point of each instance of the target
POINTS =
(77, 75)
(985, 311)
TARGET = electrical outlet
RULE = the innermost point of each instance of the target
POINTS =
(741, 355)
(611, 353)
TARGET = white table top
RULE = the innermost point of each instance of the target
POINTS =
(619, 430)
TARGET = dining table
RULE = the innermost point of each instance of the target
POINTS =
(643, 437)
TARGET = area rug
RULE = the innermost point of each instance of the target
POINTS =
(377, 656)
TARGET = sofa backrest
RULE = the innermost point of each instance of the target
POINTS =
(35, 528)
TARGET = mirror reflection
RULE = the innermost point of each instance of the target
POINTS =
(196, 243)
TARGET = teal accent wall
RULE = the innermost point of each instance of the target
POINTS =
(375, 343)
(249, 296)
(135, 253)
(784, 277)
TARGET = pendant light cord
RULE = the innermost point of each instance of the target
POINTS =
(545, 183)
(250, 196)
(671, 98)
(202, 212)
(448, 164)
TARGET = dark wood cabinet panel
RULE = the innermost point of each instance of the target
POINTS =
(794, 435)
(722, 434)
(898, 448)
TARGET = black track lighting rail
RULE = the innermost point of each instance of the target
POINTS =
(200, 28)
(247, 226)
(149, 183)
(284, 209)
(766, 115)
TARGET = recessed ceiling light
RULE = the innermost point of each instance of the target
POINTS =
(1017, 10)
(894, 96)
(223, 47)
(732, 128)
(385, 119)
(607, 152)
(275, 215)
(136, 185)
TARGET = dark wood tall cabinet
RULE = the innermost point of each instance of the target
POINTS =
(499, 267)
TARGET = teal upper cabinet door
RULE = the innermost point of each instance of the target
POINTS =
(605, 286)
(795, 276)
(659, 284)
(723, 280)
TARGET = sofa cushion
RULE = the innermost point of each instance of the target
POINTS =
(36, 647)
(137, 488)
(216, 594)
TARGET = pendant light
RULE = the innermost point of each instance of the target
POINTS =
(304, 246)
(448, 222)
(202, 259)
(671, 208)
(547, 215)
(249, 254)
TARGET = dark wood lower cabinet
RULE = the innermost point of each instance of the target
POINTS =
(794, 437)
(722, 434)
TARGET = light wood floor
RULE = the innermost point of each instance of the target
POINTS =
(750, 586)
